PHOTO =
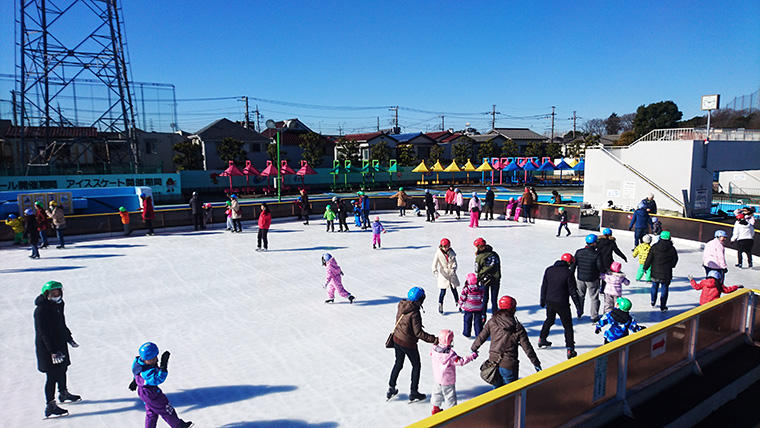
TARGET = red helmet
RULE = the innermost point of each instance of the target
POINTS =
(507, 302)
(567, 257)
(445, 242)
(479, 242)
(740, 216)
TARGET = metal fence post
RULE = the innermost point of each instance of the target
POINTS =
(520, 409)
(622, 380)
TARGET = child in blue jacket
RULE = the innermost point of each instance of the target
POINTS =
(619, 320)
(148, 374)
(357, 213)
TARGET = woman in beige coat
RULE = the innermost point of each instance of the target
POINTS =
(401, 200)
(59, 222)
(236, 215)
(445, 270)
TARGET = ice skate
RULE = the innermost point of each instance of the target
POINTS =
(351, 299)
(544, 344)
(66, 396)
(329, 300)
(415, 397)
(52, 410)
(571, 353)
(440, 308)
(392, 392)
(186, 424)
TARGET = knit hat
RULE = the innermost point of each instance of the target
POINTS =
(647, 239)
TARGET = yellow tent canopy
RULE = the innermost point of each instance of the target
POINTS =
(453, 167)
(437, 167)
(469, 167)
(421, 168)
(484, 168)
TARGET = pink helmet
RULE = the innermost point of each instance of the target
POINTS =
(615, 266)
(377, 218)
(472, 278)
(445, 337)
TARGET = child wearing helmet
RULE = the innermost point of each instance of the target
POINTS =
(472, 302)
(712, 287)
(445, 361)
(509, 209)
(377, 229)
(474, 207)
(236, 213)
(17, 226)
(714, 254)
(357, 208)
(333, 281)
(148, 373)
(264, 222)
(615, 279)
(619, 320)
(228, 214)
(401, 200)
(458, 202)
(562, 221)
(449, 199)
(744, 236)
(329, 215)
(31, 233)
(124, 217)
(642, 251)
(445, 270)
(208, 215)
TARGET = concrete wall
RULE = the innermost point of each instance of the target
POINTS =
(740, 182)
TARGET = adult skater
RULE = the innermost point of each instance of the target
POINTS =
(449, 199)
(714, 254)
(445, 270)
(506, 333)
(458, 202)
(662, 258)
(607, 246)
(148, 214)
(488, 204)
(641, 222)
(43, 222)
(406, 333)
(196, 208)
(526, 206)
(588, 267)
(744, 236)
(52, 339)
(305, 206)
(401, 200)
(429, 206)
(55, 212)
(488, 269)
(340, 204)
(364, 199)
(557, 288)
(265, 221)
(236, 214)
(649, 204)
(31, 233)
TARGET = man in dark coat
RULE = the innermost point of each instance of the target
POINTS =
(588, 266)
(429, 206)
(31, 233)
(649, 204)
(607, 246)
(305, 207)
(489, 201)
(51, 340)
(342, 213)
(662, 258)
(488, 269)
(641, 222)
(196, 207)
(557, 288)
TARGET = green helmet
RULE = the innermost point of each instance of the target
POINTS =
(38, 204)
(624, 304)
(400, 189)
(327, 207)
(122, 209)
(561, 209)
(665, 235)
(228, 203)
(360, 193)
(51, 285)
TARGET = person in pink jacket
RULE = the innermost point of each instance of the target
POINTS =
(333, 282)
(458, 202)
(474, 209)
(445, 361)
(471, 303)
(614, 281)
(714, 255)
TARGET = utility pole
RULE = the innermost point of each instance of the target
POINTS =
(258, 115)
(340, 129)
(396, 129)
(247, 121)
(378, 124)
(574, 119)
(443, 126)
(493, 114)
(553, 114)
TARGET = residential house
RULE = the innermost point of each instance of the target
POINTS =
(209, 137)
(291, 131)
(419, 141)
(498, 141)
(450, 141)
(366, 142)
(523, 137)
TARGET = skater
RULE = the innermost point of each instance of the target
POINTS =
(436, 207)
(148, 374)
(488, 268)
(562, 221)
(615, 280)
(148, 214)
(588, 268)
(342, 214)
(124, 215)
(297, 207)
(265, 220)
(407, 331)
(329, 215)
(449, 198)
(458, 202)
(31, 233)
(649, 204)
(236, 214)
(43, 222)
(445, 270)
(208, 215)
(17, 226)
(333, 282)
(642, 251)
(55, 213)
(471, 302)
(357, 213)
(557, 288)
(506, 334)
(401, 200)
(52, 339)
(429, 206)
(196, 209)
(714, 254)
(445, 361)
(712, 287)
(656, 227)
(474, 207)
(641, 222)
(364, 199)
(416, 210)
(620, 321)
(744, 236)
(556, 198)
(662, 258)
(228, 214)
(305, 206)
(526, 206)
(489, 201)
(607, 246)
(377, 229)
(509, 209)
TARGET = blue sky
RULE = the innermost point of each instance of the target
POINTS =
(444, 56)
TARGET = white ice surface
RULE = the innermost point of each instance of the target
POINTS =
(252, 342)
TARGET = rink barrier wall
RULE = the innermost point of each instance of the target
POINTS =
(110, 224)
(681, 227)
(602, 384)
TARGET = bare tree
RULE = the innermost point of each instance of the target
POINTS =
(626, 122)
(594, 126)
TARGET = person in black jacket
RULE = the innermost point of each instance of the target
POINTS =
(51, 340)
(607, 246)
(305, 206)
(488, 208)
(662, 258)
(557, 288)
(429, 206)
(31, 233)
(196, 207)
(588, 267)
(341, 207)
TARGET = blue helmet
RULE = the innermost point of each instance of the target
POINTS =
(721, 234)
(607, 231)
(148, 351)
(714, 274)
(416, 294)
(28, 211)
(488, 188)
(11, 216)
(427, 190)
(326, 258)
(591, 238)
(233, 196)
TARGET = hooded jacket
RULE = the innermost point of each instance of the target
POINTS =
(640, 220)
(195, 204)
(409, 329)
(505, 333)
(607, 246)
(329, 214)
(662, 258)
(490, 197)
(449, 197)
(471, 298)
(487, 266)
(620, 323)
(237, 213)
(642, 251)
(714, 255)
(333, 272)
(459, 199)
(615, 282)
(42, 218)
(401, 198)
(587, 264)
(527, 198)
(559, 285)
(445, 268)
(711, 289)
(377, 228)
(743, 231)
(429, 203)
(57, 216)
(265, 220)
(16, 224)
(51, 334)
(445, 361)
(147, 209)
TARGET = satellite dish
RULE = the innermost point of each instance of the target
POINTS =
(270, 124)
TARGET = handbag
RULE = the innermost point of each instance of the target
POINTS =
(389, 340)
(489, 371)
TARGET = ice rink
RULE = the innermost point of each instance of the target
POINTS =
(252, 343)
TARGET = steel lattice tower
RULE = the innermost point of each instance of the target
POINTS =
(64, 40)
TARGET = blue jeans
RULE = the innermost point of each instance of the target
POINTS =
(663, 294)
(35, 251)
(43, 239)
(507, 376)
(471, 318)
(638, 233)
(59, 234)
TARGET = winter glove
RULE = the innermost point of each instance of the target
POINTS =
(58, 357)
(691, 277)
(538, 368)
(740, 286)
(597, 330)
(73, 343)
(474, 354)
(132, 385)
(164, 360)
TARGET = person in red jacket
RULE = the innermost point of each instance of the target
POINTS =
(148, 214)
(449, 199)
(265, 220)
(711, 287)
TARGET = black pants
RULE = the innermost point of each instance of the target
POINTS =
(342, 223)
(638, 233)
(262, 237)
(149, 225)
(526, 212)
(494, 288)
(563, 310)
(744, 246)
(330, 225)
(459, 209)
(488, 212)
(414, 357)
(198, 221)
(454, 293)
(401, 211)
(430, 214)
(237, 225)
(56, 375)
(127, 230)
(561, 225)
(305, 215)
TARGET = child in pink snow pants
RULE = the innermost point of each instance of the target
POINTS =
(475, 208)
(334, 282)
(377, 229)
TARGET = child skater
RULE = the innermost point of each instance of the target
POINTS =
(562, 221)
(208, 215)
(614, 280)
(445, 361)
(416, 210)
(471, 302)
(377, 229)
(124, 214)
(148, 374)
(620, 321)
(642, 251)
(17, 226)
(357, 213)
(228, 213)
(509, 208)
(334, 281)
(265, 221)
(711, 287)
(31, 232)
(330, 217)
(474, 209)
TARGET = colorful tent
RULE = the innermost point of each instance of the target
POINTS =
(422, 169)
(512, 167)
(563, 165)
(452, 168)
(468, 168)
(248, 171)
(269, 170)
(437, 168)
(304, 171)
(580, 166)
(285, 169)
(231, 171)
(546, 166)
(485, 167)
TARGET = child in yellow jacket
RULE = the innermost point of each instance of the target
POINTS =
(642, 251)
(18, 229)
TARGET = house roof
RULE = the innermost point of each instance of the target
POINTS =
(288, 125)
(485, 137)
(224, 128)
(363, 137)
(518, 134)
(452, 137)
(405, 138)
(438, 136)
